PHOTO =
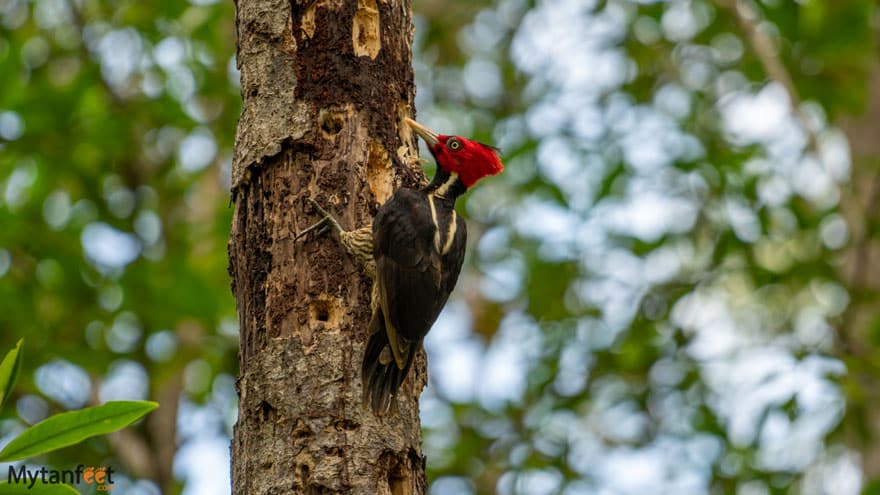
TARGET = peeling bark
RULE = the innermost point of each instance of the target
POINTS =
(325, 86)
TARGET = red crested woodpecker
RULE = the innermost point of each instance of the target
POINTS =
(414, 252)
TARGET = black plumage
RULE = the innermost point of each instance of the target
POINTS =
(414, 255)
(418, 245)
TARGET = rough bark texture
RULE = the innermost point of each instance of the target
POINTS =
(325, 86)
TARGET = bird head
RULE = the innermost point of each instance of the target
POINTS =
(471, 160)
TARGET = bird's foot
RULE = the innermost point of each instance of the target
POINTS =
(322, 223)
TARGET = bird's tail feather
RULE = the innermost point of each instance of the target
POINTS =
(380, 374)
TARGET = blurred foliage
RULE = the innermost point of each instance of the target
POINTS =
(671, 228)
(655, 299)
(116, 127)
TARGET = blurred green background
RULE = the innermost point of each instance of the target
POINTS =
(671, 289)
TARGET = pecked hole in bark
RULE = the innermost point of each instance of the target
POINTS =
(304, 472)
(321, 313)
(330, 121)
(397, 473)
(301, 430)
(379, 172)
(398, 482)
(398, 486)
(345, 424)
(365, 30)
(308, 20)
(267, 412)
(325, 310)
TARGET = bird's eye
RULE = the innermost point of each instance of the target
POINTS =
(453, 144)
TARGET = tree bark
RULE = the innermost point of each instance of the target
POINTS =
(325, 87)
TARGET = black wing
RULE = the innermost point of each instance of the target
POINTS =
(409, 271)
(414, 281)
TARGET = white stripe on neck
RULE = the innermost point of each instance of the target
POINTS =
(444, 188)
(440, 192)
(450, 234)
(434, 219)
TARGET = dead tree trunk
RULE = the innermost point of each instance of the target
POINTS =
(325, 88)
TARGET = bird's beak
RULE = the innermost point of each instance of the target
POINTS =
(423, 132)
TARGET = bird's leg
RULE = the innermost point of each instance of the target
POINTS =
(326, 217)
(320, 223)
(358, 242)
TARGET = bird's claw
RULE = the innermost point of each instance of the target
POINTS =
(318, 207)
(320, 223)
(325, 218)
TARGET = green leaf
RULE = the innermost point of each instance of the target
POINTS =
(872, 488)
(9, 369)
(73, 427)
(38, 487)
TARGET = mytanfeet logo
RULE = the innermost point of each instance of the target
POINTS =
(101, 476)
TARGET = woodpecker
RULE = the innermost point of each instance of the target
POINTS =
(413, 251)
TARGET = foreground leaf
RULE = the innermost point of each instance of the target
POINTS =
(39, 487)
(9, 369)
(73, 427)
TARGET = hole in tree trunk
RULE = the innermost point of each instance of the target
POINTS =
(321, 311)
(397, 473)
(325, 310)
(267, 411)
(331, 121)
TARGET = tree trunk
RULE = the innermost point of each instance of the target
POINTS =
(325, 88)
